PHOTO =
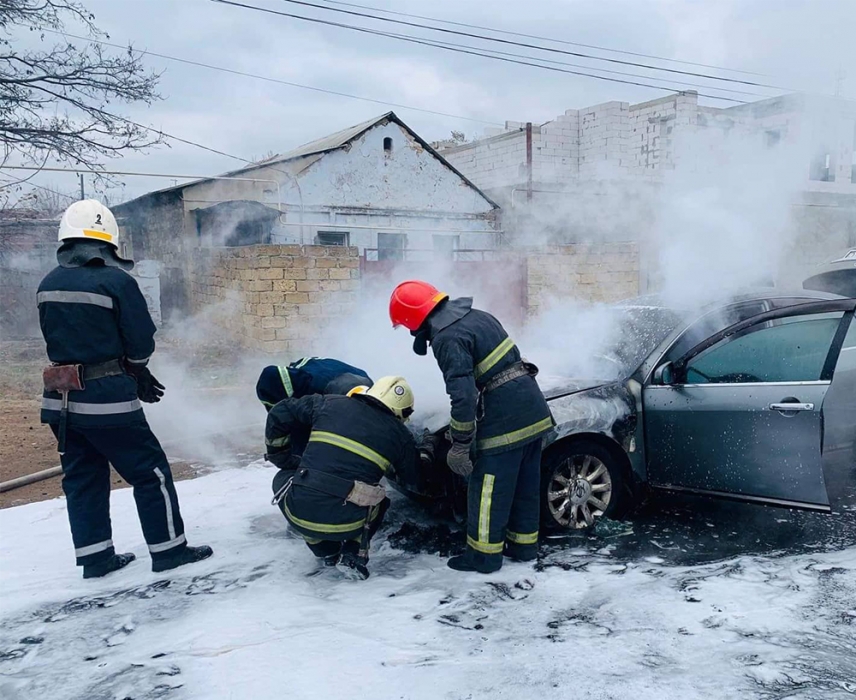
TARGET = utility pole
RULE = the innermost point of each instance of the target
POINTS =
(82, 192)
(529, 161)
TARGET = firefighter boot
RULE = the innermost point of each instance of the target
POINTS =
(188, 555)
(351, 564)
(464, 562)
(109, 565)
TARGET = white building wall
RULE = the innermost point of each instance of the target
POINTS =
(365, 190)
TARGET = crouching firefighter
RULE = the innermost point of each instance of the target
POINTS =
(332, 494)
(304, 377)
(308, 375)
(99, 337)
(499, 416)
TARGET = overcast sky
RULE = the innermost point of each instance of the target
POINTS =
(800, 44)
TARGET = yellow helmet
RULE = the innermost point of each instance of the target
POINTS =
(394, 393)
(361, 389)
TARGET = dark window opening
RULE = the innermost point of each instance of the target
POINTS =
(773, 138)
(390, 246)
(340, 238)
(387, 145)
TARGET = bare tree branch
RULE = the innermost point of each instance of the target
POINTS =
(54, 99)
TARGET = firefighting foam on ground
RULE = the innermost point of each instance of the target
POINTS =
(565, 405)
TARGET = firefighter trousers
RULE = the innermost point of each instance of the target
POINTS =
(503, 506)
(319, 546)
(137, 456)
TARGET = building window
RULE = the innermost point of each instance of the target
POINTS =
(391, 246)
(772, 138)
(332, 238)
(823, 166)
(445, 246)
(387, 146)
(853, 158)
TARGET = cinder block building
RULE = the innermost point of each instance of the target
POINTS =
(597, 173)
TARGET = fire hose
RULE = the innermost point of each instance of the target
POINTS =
(35, 477)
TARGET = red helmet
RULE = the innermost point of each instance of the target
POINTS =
(411, 302)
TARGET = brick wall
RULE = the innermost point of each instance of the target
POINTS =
(586, 272)
(276, 298)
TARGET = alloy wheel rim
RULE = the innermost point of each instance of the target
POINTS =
(579, 491)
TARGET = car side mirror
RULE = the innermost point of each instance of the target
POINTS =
(664, 375)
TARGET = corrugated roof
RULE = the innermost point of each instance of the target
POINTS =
(328, 143)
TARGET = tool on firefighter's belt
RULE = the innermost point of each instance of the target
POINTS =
(282, 493)
(63, 379)
(365, 536)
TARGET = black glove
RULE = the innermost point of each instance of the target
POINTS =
(284, 460)
(149, 389)
(459, 460)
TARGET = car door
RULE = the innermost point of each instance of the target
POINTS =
(741, 414)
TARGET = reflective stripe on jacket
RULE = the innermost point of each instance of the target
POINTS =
(353, 438)
(89, 315)
(470, 350)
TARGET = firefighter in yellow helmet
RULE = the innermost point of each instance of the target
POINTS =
(331, 494)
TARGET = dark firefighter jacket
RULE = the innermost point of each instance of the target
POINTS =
(354, 438)
(471, 347)
(91, 314)
(309, 375)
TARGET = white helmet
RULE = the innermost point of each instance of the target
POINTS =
(394, 393)
(89, 220)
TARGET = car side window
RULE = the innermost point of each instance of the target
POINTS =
(713, 323)
(784, 350)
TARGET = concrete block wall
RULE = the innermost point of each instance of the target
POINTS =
(493, 162)
(276, 298)
(586, 272)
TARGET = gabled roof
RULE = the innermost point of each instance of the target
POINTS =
(300, 158)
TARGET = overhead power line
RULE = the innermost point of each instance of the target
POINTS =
(469, 51)
(269, 79)
(540, 38)
(493, 53)
(525, 45)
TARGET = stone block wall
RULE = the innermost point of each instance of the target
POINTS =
(276, 298)
(586, 272)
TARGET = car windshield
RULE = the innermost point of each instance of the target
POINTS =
(637, 330)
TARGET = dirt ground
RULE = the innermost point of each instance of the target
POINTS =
(27, 446)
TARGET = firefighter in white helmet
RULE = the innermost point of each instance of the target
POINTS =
(99, 337)
(331, 494)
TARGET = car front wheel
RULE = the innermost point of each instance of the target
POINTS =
(581, 483)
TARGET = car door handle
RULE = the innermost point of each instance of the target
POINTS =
(791, 406)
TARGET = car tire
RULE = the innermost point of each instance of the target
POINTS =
(581, 482)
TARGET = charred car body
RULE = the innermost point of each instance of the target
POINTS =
(753, 398)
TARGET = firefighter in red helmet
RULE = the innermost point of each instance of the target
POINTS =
(499, 416)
